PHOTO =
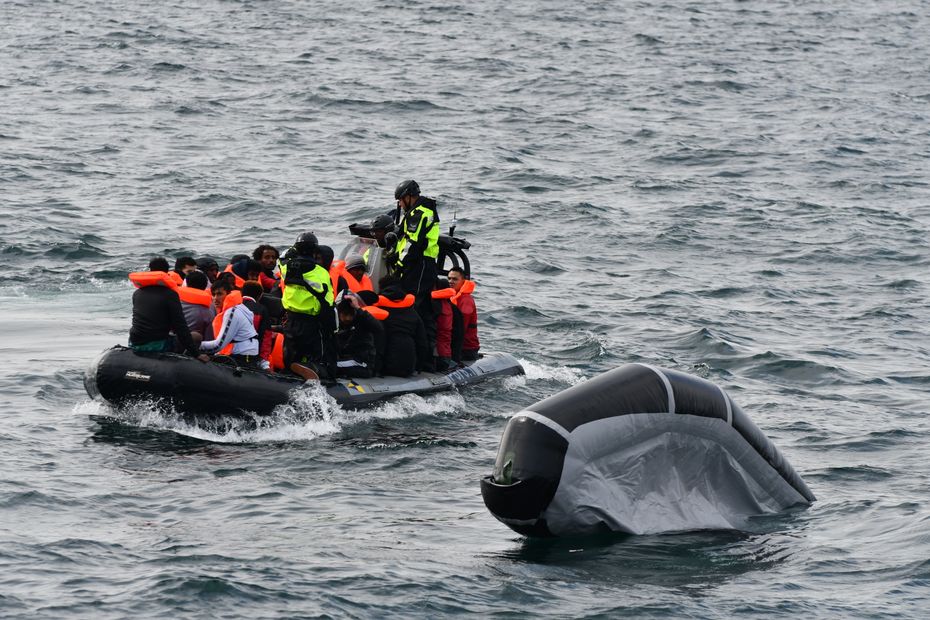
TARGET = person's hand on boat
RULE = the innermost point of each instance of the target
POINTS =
(203, 357)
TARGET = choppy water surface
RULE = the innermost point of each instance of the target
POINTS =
(737, 190)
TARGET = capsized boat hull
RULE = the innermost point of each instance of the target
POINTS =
(120, 374)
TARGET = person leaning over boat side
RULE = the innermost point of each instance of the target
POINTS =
(237, 327)
(197, 304)
(267, 256)
(156, 312)
(307, 295)
(360, 338)
(466, 305)
(414, 255)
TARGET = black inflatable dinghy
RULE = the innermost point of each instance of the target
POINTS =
(121, 374)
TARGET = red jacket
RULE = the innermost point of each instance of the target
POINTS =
(444, 330)
(469, 312)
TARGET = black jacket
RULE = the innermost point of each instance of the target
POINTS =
(405, 348)
(156, 311)
(363, 341)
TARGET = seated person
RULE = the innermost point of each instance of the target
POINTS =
(267, 256)
(156, 312)
(236, 326)
(360, 340)
(405, 346)
(251, 297)
(197, 304)
(466, 305)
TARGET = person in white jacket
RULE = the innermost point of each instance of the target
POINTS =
(237, 326)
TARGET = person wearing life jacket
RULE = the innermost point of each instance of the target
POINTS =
(414, 255)
(156, 312)
(267, 256)
(234, 325)
(466, 305)
(360, 338)
(449, 327)
(252, 293)
(406, 348)
(242, 269)
(197, 304)
(307, 299)
(350, 275)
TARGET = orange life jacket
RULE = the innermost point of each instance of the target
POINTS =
(239, 281)
(142, 279)
(178, 279)
(197, 296)
(339, 270)
(406, 302)
(468, 287)
(277, 352)
(233, 299)
(443, 293)
(375, 311)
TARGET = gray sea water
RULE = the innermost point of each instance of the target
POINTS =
(737, 190)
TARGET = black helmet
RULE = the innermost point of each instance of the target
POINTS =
(306, 243)
(406, 188)
(382, 222)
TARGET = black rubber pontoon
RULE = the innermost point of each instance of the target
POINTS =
(640, 450)
(121, 374)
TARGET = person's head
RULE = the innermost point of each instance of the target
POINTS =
(252, 289)
(196, 279)
(355, 265)
(441, 283)
(267, 255)
(387, 281)
(221, 288)
(406, 194)
(185, 264)
(380, 226)
(209, 267)
(253, 269)
(324, 256)
(229, 278)
(456, 278)
(159, 263)
(306, 244)
(346, 312)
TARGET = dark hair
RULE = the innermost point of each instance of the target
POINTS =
(184, 261)
(196, 279)
(224, 283)
(442, 283)
(254, 266)
(257, 252)
(459, 271)
(387, 281)
(345, 307)
(206, 264)
(159, 263)
(226, 276)
(252, 289)
(238, 257)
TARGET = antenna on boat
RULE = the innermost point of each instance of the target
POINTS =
(452, 227)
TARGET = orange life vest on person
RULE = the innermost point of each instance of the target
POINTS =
(443, 293)
(141, 279)
(239, 281)
(468, 287)
(196, 296)
(233, 299)
(277, 352)
(375, 311)
(406, 302)
(338, 270)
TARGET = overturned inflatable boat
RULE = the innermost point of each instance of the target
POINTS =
(122, 375)
(640, 450)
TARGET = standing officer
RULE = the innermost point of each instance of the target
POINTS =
(417, 249)
(308, 293)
